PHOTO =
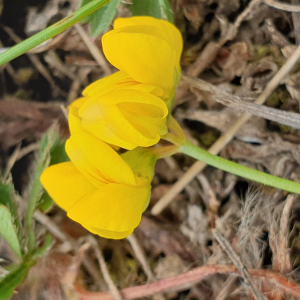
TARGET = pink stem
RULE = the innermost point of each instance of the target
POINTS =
(193, 276)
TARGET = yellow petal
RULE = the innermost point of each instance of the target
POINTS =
(113, 207)
(172, 33)
(113, 82)
(155, 127)
(97, 161)
(105, 84)
(73, 118)
(153, 62)
(93, 110)
(121, 127)
(153, 111)
(65, 184)
(100, 130)
(78, 103)
(109, 234)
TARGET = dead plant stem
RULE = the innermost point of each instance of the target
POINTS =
(225, 245)
(113, 289)
(93, 49)
(190, 278)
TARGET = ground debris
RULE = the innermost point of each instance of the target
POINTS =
(234, 46)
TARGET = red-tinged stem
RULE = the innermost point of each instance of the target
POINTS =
(278, 281)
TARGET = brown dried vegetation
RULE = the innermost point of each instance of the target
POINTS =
(217, 236)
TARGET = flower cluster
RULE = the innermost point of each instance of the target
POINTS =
(104, 191)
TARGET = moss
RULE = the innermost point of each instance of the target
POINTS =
(208, 138)
(278, 97)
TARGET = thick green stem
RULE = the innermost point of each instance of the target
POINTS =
(51, 31)
(234, 168)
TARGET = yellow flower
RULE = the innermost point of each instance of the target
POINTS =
(121, 112)
(147, 49)
(98, 188)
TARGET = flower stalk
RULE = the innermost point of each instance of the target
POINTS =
(51, 31)
(280, 183)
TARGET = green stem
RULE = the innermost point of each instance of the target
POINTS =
(51, 31)
(234, 168)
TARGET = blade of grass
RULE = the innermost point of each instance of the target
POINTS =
(51, 31)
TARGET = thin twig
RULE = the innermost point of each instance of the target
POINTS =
(283, 117)
(238, 263)
(283, 6)
(11, 161)
(26, 150)
(140, 255)
(189, 278)
(225, 138)
(227, 286)
(246, 14)
(69, 277)
(50, 225)
(113, 289)
(283, 247)
(296, 22)
(17, 155)
(93, 49)
(61, 236)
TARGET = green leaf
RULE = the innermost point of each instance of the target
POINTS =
(14, 278)
(159, 9)
(87, 18)
(58, 153)
(7, 198)
(141, 161)
(8, 229)
(101, 19)
(35, 189)
(47, 245)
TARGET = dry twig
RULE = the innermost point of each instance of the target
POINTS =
(282, 252)
(283, 6)
(140, 255)
(238, 263)
(113, 289)
(93, 49)
(283, 117)
(227, 286)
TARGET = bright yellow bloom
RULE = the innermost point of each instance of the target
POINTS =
(147, 49)
(121, 112)
(99, 189)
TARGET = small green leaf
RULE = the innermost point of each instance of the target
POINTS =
(7, 198)
(102, 17)
(8, 230)
(47, 244)
(58, 153)
(159, 9)
(87, 18)
(141, 161)
(14, 278)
